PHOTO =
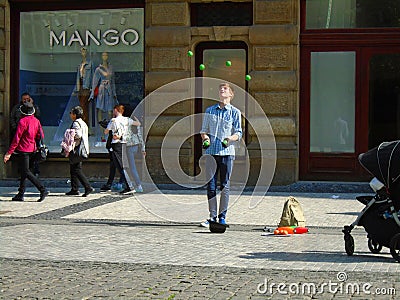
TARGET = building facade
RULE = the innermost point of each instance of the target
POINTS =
(314, 72)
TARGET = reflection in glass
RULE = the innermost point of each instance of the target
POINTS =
(325, 14)
(215, 63)
(332, 102)
(59, 74)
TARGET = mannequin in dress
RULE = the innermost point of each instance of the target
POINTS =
(83, 83)
(106, 99)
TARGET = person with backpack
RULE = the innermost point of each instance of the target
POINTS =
(134, 140)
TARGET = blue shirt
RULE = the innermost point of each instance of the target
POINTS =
(220, 123)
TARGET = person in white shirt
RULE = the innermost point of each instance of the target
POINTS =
(119, 126)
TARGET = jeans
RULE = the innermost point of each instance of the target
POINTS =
(23, 164)
(77, 176)
(132, 171)
(224, 167)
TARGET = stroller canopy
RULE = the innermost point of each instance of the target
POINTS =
(383, 162)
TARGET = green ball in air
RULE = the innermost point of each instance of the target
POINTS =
(202, 67)
(228, 63)
(248, 77)
(190, 53)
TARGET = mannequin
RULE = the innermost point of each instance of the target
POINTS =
(106, 99)
(83, 83)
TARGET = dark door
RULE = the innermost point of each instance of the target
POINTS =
(214, 55)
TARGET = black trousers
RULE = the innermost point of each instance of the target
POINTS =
(117, 159)
(113, 170)
(24, 159)
(75, 170)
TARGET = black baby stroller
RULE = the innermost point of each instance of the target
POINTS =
(380, 217)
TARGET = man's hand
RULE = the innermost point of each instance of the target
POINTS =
(7, 158)
(206, 143)
(225, 142)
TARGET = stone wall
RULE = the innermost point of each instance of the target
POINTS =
(273, 45)
(273, 60)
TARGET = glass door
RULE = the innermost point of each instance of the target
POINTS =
(383, 97)
(226, 61)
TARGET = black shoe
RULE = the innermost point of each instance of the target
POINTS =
(105, 188)
(72, 193)
(18, 197)
(88, 191)
(127, 191)
(43, 194)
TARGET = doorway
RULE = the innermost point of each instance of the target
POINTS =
(350, 103)
(228, 62)
(384, 98)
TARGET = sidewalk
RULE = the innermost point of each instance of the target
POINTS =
(149, 246)
(322, 209)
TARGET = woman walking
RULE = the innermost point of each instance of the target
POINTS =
(76, 157)
(24, 145)
(134, 140)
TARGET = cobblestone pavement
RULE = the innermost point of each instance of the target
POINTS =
(112, 247)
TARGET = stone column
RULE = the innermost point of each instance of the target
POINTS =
(4, 83)
(275, 77)
(166, 60)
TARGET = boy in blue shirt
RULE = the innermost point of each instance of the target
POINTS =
(221, 127)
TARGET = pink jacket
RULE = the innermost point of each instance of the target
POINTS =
(29, 130)
(68, 142)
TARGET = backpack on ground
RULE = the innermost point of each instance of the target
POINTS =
(292, 214)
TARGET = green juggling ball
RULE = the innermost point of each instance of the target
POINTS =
(248, 77)
(202, 67)
(190, 53)
(228, 63)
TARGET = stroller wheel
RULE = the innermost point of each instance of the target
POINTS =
(349, 244)
(374, 246)
(395, 247)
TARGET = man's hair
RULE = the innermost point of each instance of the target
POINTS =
(227, 85)
(25, 94)
(120, 108)
(78, 111)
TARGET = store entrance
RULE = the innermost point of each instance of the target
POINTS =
(350, 103)
(226, 61)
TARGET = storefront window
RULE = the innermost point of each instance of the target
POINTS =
(91, 58)
(332, 102)
(325, 14)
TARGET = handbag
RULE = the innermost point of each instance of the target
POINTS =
(79, 154)
(42, 150)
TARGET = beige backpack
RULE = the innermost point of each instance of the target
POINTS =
(292, 214)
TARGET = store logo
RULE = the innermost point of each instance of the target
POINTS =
(110, 37)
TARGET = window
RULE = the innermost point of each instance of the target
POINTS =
(332, 102)
(327, 14)
(69, 56)
(222, 14)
